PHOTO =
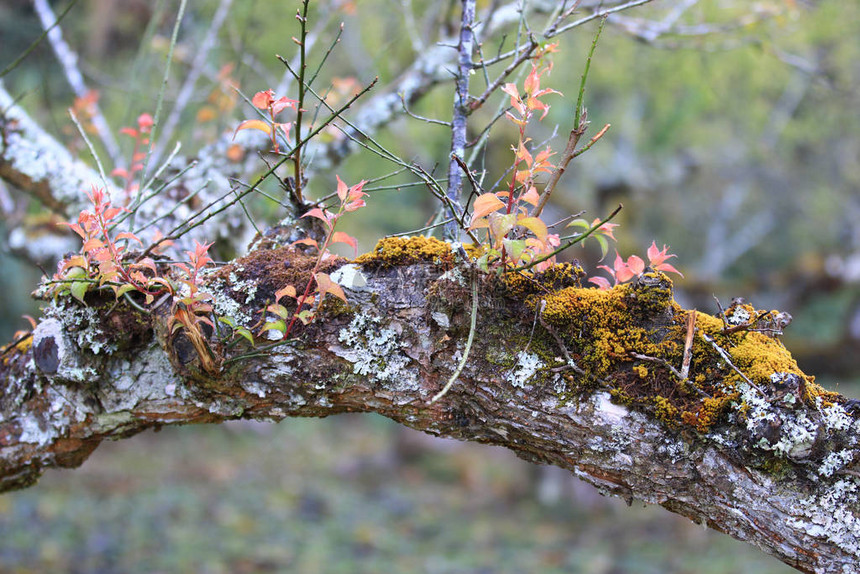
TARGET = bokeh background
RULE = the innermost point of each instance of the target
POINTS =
(734, 140)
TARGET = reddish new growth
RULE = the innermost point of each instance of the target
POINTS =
(320, 284)
(141, 139)
(266, 101)
(622, 271)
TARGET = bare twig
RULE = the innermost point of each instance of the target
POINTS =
(595, 16)
(194, 72)
(580, 125)
(688, 344)
(727, 358)
(472, 328)
(14, 64)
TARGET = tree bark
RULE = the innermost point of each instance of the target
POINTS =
(578, 378)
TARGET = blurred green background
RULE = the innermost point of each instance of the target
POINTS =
(733, 140)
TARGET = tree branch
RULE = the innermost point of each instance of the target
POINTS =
(774, 468)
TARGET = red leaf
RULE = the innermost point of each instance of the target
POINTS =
(128, 235)
(319, 214)
(262, 100)
(601, 282)
(341, 237)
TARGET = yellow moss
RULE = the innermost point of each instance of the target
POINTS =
(710, 412)
(392, 251)
(641, 370)
(20, 347)
(665, 410)
(759, 356)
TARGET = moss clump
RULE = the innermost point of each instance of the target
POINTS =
(665, 411)
(524, 283)
(392, 251)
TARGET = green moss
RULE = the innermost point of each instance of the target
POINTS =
(392, 251)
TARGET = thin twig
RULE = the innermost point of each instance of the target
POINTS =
(688, 344)
(302, 17)
(156, 117)
(90, 147)
(728, 361)
(422, 118)
(38, 40)
(580, 125)
(472, 328)
(596, 15)
(194, 72)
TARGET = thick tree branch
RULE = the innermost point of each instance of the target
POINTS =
(774, 468)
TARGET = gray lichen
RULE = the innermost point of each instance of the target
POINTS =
(375, 351)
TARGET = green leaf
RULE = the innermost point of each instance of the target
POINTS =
(123, 289)
(278, 325)
(278, 310)
(247, 334)
(604, 245)
(515, 248)
(581, 223)
(79, 289)
(76, 273)
(228, 321)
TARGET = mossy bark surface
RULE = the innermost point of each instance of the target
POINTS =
(584, 379)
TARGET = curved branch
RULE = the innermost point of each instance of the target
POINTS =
(773, 468)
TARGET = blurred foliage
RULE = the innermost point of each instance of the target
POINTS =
(267, 498)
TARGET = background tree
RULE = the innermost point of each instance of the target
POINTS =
(226, 172)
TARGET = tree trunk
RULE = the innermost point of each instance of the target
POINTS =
(587, 380)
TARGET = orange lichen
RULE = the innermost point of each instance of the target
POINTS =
(392, 251)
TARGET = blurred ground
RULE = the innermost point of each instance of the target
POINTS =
(350, 494)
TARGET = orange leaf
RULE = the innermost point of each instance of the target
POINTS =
(486, 204)
(531, 196)
(288, 291)
(535, 225)
(254, 125)
(326, 285)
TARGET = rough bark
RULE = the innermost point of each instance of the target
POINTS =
(553, 375)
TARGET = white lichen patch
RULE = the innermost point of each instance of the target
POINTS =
(33, 433)
(834, 462)
(350, 277)
(610, 412)
(86, 325)
(527, 365)
(835, 416)
(738, 316)
(831, 514)
(375, 351)
(227, 306)
(255, 388)
(147, 377)
(454, 275)
(797, 432)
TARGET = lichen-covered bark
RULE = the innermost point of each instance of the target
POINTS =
(746, 444)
